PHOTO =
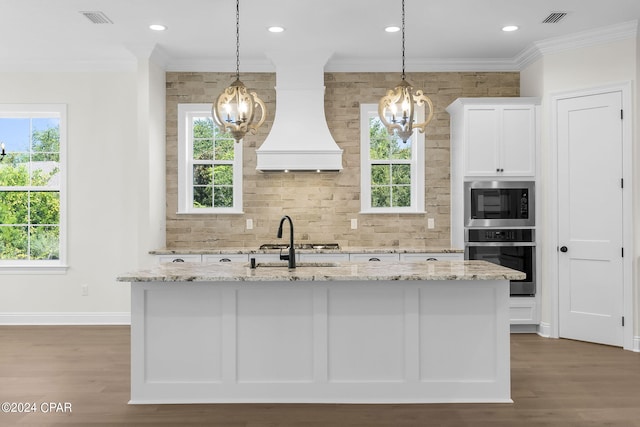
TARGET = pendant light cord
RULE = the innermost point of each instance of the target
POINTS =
(238, 39)
(403, 74)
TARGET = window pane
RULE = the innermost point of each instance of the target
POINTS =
(379, 140)
(380, 174)
(224, 149)
(381, 197)
(223, 197)
(14, 207)
(401, 174)
(45, 137)
(46, 172)
(401, 196)
(44, 243)
(203, 127)
(13, 242)
(223, 175)
(202, 174)
(400, 149)
(14, 132)
(45, 207)
(202, 197)
(203, 149)
(14, 170)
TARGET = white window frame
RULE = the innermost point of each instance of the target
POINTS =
(368, 111)
(57, 266)
(185, 164)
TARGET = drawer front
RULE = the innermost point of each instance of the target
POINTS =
(431, 257)
(373, 257)
(226, 258)
(179, 258)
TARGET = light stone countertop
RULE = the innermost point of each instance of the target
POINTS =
(228, 251)
(366, 271)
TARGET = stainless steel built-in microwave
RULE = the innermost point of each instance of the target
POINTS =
(499, 203)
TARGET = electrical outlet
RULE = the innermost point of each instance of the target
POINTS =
(354, 223)
(249, 224)
(431, 223)
(85, 290)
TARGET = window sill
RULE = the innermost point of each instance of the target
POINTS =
(33, 269)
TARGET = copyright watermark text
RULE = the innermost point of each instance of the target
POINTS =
(43, 407)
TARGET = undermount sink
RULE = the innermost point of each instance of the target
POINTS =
(298, 264)
(268, 246)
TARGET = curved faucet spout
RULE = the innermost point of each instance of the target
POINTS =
(291, 256)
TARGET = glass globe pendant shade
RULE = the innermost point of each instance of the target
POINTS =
(235, 111)
(396, 110)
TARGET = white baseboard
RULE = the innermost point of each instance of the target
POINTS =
(544, 330)
(636, 344)
(74, 318)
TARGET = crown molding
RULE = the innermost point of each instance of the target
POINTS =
(598, 36)
(157, 55)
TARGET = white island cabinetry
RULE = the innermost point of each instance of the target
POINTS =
(367, 332)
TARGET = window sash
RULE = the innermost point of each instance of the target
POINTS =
(186, 163)
(416, 163)
(32, 265)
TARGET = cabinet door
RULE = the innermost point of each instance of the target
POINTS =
(482, 137)
(518, 141)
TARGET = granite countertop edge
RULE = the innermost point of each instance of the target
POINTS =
(388, 271)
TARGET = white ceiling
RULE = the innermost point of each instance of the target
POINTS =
(49, 34)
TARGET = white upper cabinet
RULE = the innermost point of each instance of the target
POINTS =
(496, 137)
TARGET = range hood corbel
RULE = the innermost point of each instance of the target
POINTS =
(299, 139)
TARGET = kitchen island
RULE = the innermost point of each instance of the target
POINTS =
(323, 332)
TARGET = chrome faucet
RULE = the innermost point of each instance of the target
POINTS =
(291, 256)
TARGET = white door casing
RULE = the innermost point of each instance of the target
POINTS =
(591, 217)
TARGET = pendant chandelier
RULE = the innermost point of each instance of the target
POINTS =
(235, 109)
(396, 108)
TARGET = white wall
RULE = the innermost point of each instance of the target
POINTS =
(103, 188)
(573, 70)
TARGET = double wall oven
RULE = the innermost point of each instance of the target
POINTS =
(500, 228)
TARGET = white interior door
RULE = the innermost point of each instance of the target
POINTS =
(590, 227)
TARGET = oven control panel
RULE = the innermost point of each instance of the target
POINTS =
(500, 235)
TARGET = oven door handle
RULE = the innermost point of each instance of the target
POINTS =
(498, 244)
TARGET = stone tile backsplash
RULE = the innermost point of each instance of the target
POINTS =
(322, 205)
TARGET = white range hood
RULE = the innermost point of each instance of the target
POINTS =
(300, 138)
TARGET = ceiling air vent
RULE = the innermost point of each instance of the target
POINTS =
(97, 17)
(554, 17)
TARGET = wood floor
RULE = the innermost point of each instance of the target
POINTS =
(554, 383)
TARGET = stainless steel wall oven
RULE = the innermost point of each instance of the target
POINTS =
(513, 248)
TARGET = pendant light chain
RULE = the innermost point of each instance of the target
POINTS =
(238, 39)
(234, 109)
(403, 74)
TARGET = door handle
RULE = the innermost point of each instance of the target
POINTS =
(564, 249)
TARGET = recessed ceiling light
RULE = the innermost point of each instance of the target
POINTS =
(509, 28)
(157, 27)
(392, 29)
(276, 29)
